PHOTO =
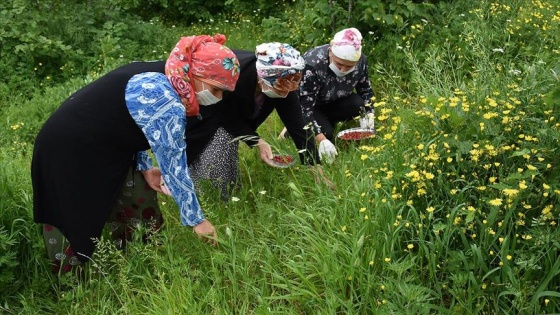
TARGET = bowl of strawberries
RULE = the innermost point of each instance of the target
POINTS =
(354, 134)
(283, 160)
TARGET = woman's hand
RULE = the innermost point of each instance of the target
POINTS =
(164, 188)
(320, 177)
(327, 151)
(155, 181)
(265, 152)
(206, 232)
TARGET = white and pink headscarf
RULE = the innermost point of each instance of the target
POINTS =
(347, 44)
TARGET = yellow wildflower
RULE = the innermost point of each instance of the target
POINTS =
(496, 202)
(510, 192)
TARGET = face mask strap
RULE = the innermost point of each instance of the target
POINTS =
(205, 97)
(270, 92)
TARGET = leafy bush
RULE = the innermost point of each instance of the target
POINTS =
(39, 50)
(451, 209)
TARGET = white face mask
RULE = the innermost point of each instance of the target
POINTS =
(206, 97)
(270, 93)
(337, 71)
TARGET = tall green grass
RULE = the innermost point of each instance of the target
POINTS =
(451, 209)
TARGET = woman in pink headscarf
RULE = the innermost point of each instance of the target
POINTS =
(86, 148)
(332, 73)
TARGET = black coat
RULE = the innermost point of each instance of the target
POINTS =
(82, 155)
(238, 115)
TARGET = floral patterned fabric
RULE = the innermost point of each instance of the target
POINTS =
(137, 204)
(276, 60)
(205, 58)
(217, 164)
(320, 85)
(158, 111)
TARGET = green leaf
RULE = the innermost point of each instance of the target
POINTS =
(521, 152)
(500, 186)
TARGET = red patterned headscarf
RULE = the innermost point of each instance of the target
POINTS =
(204, 58)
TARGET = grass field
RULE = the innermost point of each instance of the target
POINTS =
(453, 208)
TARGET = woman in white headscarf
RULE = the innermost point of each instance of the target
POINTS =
(332, 73)
(268, 80)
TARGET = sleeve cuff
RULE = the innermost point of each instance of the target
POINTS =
(143, 161)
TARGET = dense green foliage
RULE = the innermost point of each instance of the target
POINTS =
(453, 208)
(48, 42)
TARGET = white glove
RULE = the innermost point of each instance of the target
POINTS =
(368, 121)
(327, 150)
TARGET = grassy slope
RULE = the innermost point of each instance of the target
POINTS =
(391, 238)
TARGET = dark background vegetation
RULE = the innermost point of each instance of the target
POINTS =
(424, 56)
(46, 42)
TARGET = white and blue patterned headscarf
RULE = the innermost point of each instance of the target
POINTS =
(276, 60)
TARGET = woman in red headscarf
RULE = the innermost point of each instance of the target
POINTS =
(85, 150)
